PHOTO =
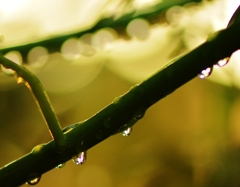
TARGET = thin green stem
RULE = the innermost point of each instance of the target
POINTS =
(42, 100)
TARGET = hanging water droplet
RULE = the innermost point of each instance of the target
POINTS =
(34, 181)
(61, 165)
(206, 72)
(127, 132)
(80, 158)
(222, 62)
(139, 114)
(20, 80)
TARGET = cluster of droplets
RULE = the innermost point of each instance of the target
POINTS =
(208, 71)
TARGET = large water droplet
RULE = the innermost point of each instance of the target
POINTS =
(206, 72)
(34, 181)
(222, 62)
(61, 165)
(127, 132)
(80, 158)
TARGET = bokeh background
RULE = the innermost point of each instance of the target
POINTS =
(191, 138)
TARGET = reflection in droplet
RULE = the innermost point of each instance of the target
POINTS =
(80, 158)
(103, 38)
(138, 28)
(127, 132)
(205, 73)
(20, 80)
(14, 56)
(38, 56)
(222, 62)
(34, 181)
(139, 114)
(61, 165)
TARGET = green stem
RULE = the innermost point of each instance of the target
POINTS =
(42, 100)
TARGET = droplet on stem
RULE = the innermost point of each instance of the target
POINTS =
(127, 132)
(206, 72)
(80, 158)
(34, 181)
(222, 62)
(20, 80)
(61, 165)
(139, 114)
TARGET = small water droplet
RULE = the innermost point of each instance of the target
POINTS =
(34, 181)
(206, 72)
(127, 132)
(107, 122)
(116, 100)
(61, 165)
(222, 62)
(139, 114)
(69, 128)
(80, 158)
(20, 80)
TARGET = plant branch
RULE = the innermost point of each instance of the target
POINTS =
(42, 100)
(54, 44)
(124, 110)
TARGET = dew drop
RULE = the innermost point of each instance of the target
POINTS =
(80, 158)
(139, 114)
(222, 62)
(20, 80)
(107, 122)
(61, 165)
(117, 99)
(206, 73)
(127, 132)
(34, 181)
(69, 128)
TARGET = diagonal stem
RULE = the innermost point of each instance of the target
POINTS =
(42, 101)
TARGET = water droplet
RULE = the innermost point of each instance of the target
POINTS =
(34, 181)
(127, 132)
(99, 135)
(117, 99)
(107, 122)
(20, 80)
(139, 114)
(69, 128)
(222, 62)
(206, 72)
(80, 158)
(61, 165)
